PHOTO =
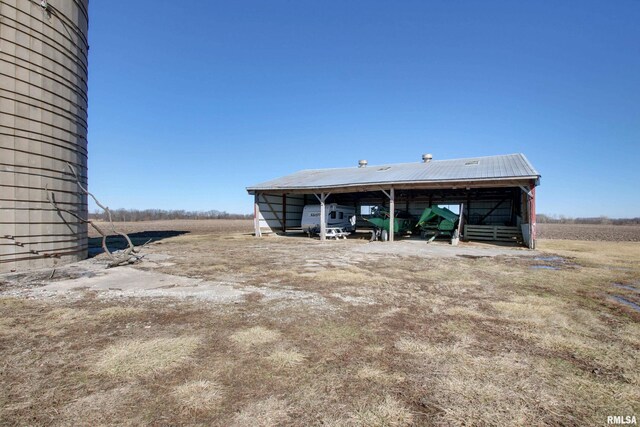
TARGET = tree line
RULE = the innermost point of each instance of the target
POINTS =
(600, 220)
(135, 215)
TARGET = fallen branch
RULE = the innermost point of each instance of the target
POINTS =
(129, 255)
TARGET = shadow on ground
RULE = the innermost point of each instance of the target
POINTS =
(116, 242)
(365, 234)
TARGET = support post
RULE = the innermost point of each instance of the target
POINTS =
(468, 207)
(256, 216)
(323, 218)
(323, 215)
(392, 213)
(529, 198)
(454, 241)
(284, 213)
(532, 217)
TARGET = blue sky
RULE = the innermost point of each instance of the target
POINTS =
(190, 102)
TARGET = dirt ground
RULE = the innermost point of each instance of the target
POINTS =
(611, 233)
(217, 327)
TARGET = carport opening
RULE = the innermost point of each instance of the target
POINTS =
(487, 214)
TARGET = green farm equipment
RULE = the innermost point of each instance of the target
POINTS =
(402, 223)
(436, 221)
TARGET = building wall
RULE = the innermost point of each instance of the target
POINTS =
(43, 127)
(490, 212)
(272, 211)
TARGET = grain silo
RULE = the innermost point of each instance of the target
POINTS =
(43, 128)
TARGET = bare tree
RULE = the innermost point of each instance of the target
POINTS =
(127, 256)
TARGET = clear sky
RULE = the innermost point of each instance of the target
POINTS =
(190, 102)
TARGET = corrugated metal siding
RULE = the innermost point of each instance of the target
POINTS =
(486, 212)
(271, 213)
(493, 167)
(43, 128)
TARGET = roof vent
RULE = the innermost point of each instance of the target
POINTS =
(426, 158)
(362, 163)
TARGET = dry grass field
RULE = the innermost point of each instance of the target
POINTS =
(335, 333)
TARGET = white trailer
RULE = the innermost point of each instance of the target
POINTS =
(337, 216)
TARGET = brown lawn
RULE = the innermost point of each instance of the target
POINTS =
(333, 334)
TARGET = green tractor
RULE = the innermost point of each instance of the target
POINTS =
(402, 223)
(436, 221)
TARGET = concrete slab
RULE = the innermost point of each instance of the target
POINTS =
(439, 249)
(141, 281)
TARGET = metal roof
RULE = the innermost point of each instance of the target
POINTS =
(510, 166)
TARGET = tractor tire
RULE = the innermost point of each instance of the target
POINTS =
(384, 235)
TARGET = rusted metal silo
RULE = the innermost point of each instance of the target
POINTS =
(43, 128)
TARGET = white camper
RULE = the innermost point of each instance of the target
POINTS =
(336, 216)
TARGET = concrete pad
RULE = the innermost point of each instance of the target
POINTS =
(72, 281)
(133, 282)
(439, 249)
